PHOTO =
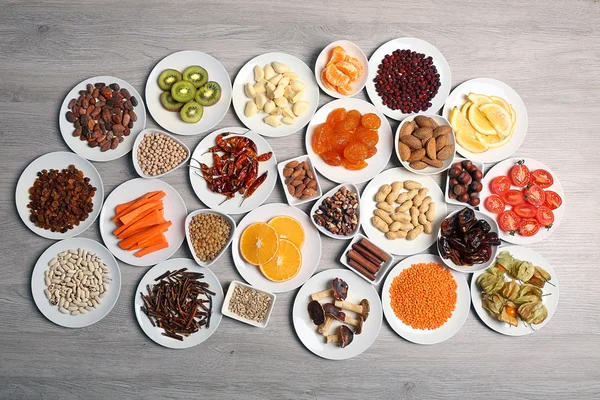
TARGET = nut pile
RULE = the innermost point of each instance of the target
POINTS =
(300, 180)
(76, 281)
(102, 115)
(60, 200)
(209, 234)
(464, 182)
(337, 214)
(412, 217)
(250, 303)
(158, 154)
(423, 143)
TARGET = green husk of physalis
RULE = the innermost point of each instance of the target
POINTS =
(494, 304)
(506, 260)
(540, 277)
(506, 317)
(533, 313)
(490, 283)
(527, 289)
(511, 290)
(496, 269)
(528, 298)
(522, 270)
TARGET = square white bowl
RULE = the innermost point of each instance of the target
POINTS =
(188, 220)
(293, 201)
(225, 311)
(382, 270)
(351, 187)
(479, 165)
(136, 145)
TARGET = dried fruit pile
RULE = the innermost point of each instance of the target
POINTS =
(338, 214)
(423, 143)
(347, 138)
(300, 180)
(341, 72)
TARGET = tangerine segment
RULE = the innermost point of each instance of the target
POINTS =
(320, 139)
(338, 54)
(259, 243)
(335, 76)
(357, 64)
(371, 121)
(369, 137)
(353, 118)
(326, 83)
(354, 166)
(289, 228)
(372, 151)
(346, 90)
(348, 69)
(356, 151)
(285, 264)
(337, 115)
(332, 158)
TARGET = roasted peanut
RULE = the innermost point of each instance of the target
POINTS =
(430, 214)
(425, 205)
(380, 224)
(382, 205)
(382, 193)
(396, 235)
(401, 226)
(384, 216)
(414, 216)
(427, 227)
(410, 185)
(393, 195)
(404, 207)
(400, 217)
(414, 233)
(418, 199)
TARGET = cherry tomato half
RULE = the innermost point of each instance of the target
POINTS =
(500, 184)
(553, 199)
(545, 216)
(533, 194)
(509, 221)
(520, 175)
(542, 178)
(525, 210)
(528, 227)
(494, 203)
(513, 197)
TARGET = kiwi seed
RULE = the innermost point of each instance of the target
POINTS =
(167, 78)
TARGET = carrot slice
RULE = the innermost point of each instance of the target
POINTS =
(158, 239)
(150, 249)
(122, 226)
(130, 216)
(144, 235)
(154, 218)
(151, 196)
(122, 207)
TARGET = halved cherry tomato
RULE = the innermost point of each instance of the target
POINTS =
(509, 221)
(528, 227)
(520, 175)
(494, 203)
(513, 197)
(500, 184)
(525, 210)
(534, 195)
(545, 216)
(542, 178)
(553, 199)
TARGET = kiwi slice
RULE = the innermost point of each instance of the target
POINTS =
(192, 112)
(195, 74)
(208, 94)
(183, 91)
(169, 103)
(167, 78)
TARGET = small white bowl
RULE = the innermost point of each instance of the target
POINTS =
(136, 145)
(382, 270)
(350, 186)
(188, 220)
(449, 200)
(475, 267)
(429, 170)
(225, 310)
(293, 201)
(353, 51)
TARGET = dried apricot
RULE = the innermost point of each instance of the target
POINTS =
(337, 54)
(320, 140)
(369, 137)
(326, 83)
(353, 118)
(332, 157)
(337, 115)
(335, 76)
(356, 151)
(357, 64)
(340, 139)
(348, 70)
(346, 90)
(370, 121)
(354, 166)
(371, 152)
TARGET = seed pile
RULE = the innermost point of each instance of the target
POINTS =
(338, 214)
(424, 295)
(249, 303)
(76, 281)
(209, 234)
(159, 153)
(60, 200)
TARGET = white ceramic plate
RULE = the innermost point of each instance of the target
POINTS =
(426, 336)
(503, 168)
(476, 267)
(294, 201)
(352, 188)
(188, 220)
(550, 294)
(376, 163)
(58, 160)
(81, 147)
(233, 315)
(490, 87)
(155, 333)
(235, 205)
(179, 61)
(429, 170)
(400, 246)
(311, 251)
(382, 270)
(353, 51)
(174, 211)
(136, 145)
(420, 46)
(479, 165)
(91, 317)
(256, 123)
(358, 289)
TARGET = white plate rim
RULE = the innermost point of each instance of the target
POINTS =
(321, 62)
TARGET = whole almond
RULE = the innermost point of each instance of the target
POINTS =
(292, 164)
(442, 130)
(407, 129)
(416, 155)
(306, 180)
(299, 189)
(440, 142)
(304, 165)
(433, 163)
(434, 124)
(312, 184)
(431, 149)
(305, 196)
(287, 172)
(291, 189)
(310, 174)
(411, 142)
(404, 151)
(296, 173)
(423, 121)
(423, 133)
(418, 165)
(446, 152)
(309, 191)
(296, 182)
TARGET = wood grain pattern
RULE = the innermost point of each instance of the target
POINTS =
(548, 51)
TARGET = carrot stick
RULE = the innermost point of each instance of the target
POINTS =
(130, 216)
(150, 249)
(158, 239)
(145, 199)
(154, 218)
(122, 226)
(122, 207)
(146, 234)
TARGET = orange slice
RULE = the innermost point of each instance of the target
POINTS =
(335, 76)
(357, 64)
(337, 54)
(346, 90)
(289, 228)
(285, 265)
(259, 243)
(348, 69)
(326, 83)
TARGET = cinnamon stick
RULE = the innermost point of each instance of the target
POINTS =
(374, 249)
(356, 256)
(362, 270)
(367, 254)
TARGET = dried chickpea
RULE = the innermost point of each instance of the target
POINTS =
(158, 154)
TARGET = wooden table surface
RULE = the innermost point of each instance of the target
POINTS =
(549, 52)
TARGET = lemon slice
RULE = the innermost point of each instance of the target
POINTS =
(513, 115)
(479, 99)
(500, 101)
(470, 142)
(465, 108)
(499, 118)
(460, 123)
(492, 141)
(479, 121)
